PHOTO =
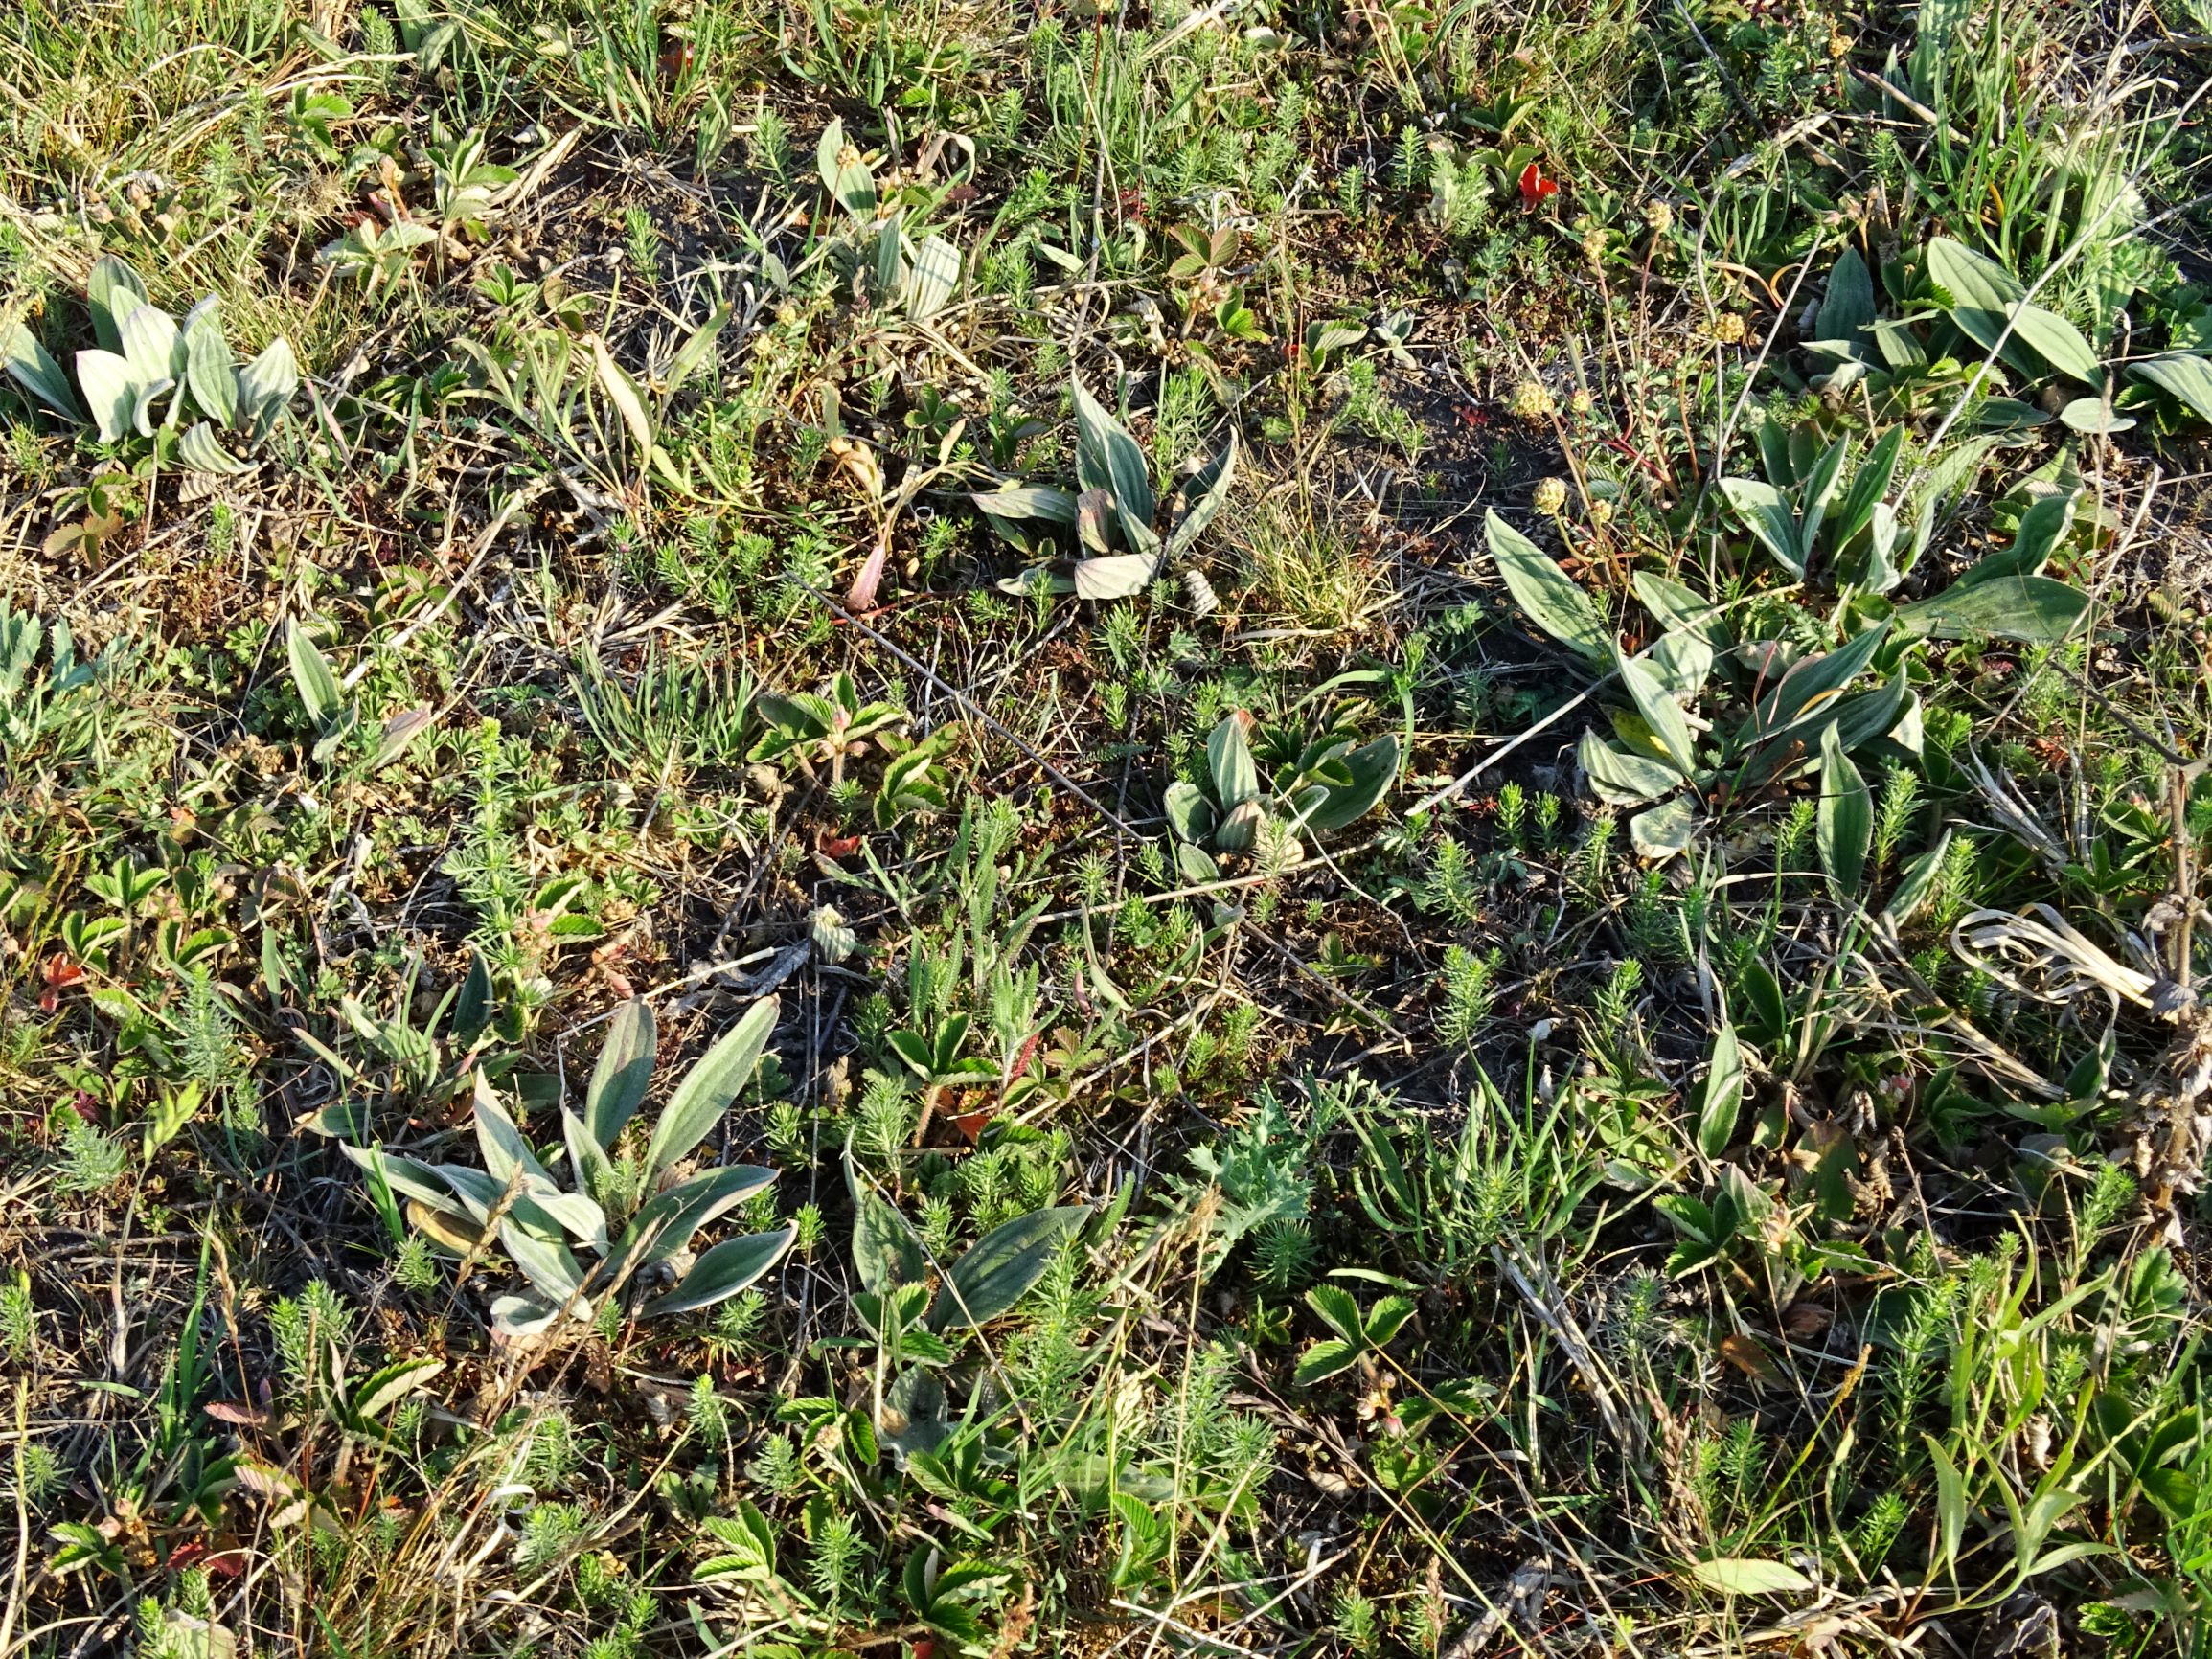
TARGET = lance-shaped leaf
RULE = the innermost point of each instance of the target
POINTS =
(721, 1272)
(110, 391)
(668, 1221)
(932, 278)
(111, 293)
(619, 1082)
(408, 1177)
(1374, 768)
(1547, 594)
(1108, 458)
(1660, 712)
(844, 175)
(312, 676)
(709, 1086)
(1847, 312)
(267, 384)
(2031, 609)
(201, 451)
(1229, 763)
(1766, 514)
(1020, 501)
(1721, 1096)
(1917, 881)
(1845, 825)
(1621, 778)
(152, 346)
(1868, 486)
(999, 1268)
(1198, 498)
(34, 368)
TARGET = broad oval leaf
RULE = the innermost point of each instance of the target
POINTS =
(2093, 417)
(886, 1251)
(1665, 830)
(999, 1268)
(1548, 595)
(1189, 813)
(1982, 290)
(110, 391)
(1868, 486)
(709, 1087)
(2041, 528)
(2057, 342)
(724, 1271)
(1116, 576)
(2187, 376)
(845, 176)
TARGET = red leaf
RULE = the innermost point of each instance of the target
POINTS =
(60, 974)
(838, 846)
(1535, 186)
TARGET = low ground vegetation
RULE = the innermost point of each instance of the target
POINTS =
(926, 829)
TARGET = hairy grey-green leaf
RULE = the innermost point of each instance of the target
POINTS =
(721, 1272)
(619, 1082)
(709, 1087)
(1547, 594)
(1845, 823)
(1766, 514)
(1621, 778)
(2031, 609)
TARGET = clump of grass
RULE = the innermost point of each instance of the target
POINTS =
(1306, 570)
